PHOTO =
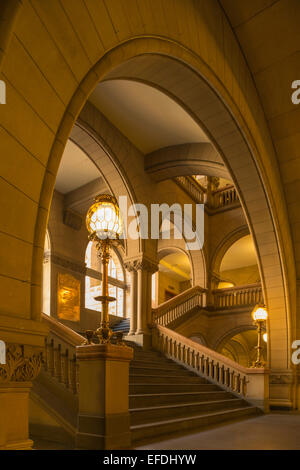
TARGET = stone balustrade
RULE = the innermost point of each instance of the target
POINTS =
(60, 353)
(247, 295)
(251, 384)
(224, 197)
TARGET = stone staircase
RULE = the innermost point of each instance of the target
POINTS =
(165, 398)
(123, 326)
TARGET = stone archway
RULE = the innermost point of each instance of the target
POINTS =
(226, 135)
(225, 244)
(227, 107)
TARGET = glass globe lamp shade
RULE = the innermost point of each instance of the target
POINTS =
(104, 219)
(260, 313)
(265, 337)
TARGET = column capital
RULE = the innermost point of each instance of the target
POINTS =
(141, 263)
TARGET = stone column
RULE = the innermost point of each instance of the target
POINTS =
(131, 267)
(145, 269)
(103, 416)
(22, 365)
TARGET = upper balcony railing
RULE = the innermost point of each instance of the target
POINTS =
(224, 197)
(242, 296)
(195, 297)
(218, 199)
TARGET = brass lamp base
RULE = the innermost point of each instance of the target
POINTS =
(104, 334)
(258, 365)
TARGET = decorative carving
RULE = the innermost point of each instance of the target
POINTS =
(282, 379)
(141, 264)
(67, 264)
(68, 297)
(20, 366)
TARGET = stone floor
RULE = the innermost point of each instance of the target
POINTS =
(275, 431)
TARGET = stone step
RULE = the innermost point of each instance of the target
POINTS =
(138, 370)
(169, 378)
(141, 400)
(173, 388)
(158, 413)
(154, 364)
(166, 427)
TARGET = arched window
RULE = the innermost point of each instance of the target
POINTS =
(116, 281)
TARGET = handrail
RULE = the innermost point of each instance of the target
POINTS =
(204, 361)
(62, 331)
(60, 353)
(238, 296)
(192, 187)
(176, 307)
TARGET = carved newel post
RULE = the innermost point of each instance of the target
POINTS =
(18, 368)
(103, 418)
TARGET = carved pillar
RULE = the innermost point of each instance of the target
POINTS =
(22, 365)
(144, 269)
(131, 267)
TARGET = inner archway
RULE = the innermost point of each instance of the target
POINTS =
(237, 148)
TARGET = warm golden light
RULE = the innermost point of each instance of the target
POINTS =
(265, 337)
(260, 313)
(103, 218)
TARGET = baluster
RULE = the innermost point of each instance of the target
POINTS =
(178, 352)
(211, 369)
(197, 361)
(217, 372)
(51, 357)
(238, 385)
(175, 350)
(231, 380)
(206, 367)
(57, 362)
(222, 375)
(65, 368)
(244, 386)
(193, 360)
(228, 377)
(45, 362)
(73, 374)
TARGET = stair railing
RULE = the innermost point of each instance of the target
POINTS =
(178, 306)
(60, 353)
(248, 383)
(192, 187)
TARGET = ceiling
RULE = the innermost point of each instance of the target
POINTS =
(240, 254)
(75, 170)
(146, 116)
(176, 265)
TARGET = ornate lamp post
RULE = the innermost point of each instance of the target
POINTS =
(105, 225)
(259, 315)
